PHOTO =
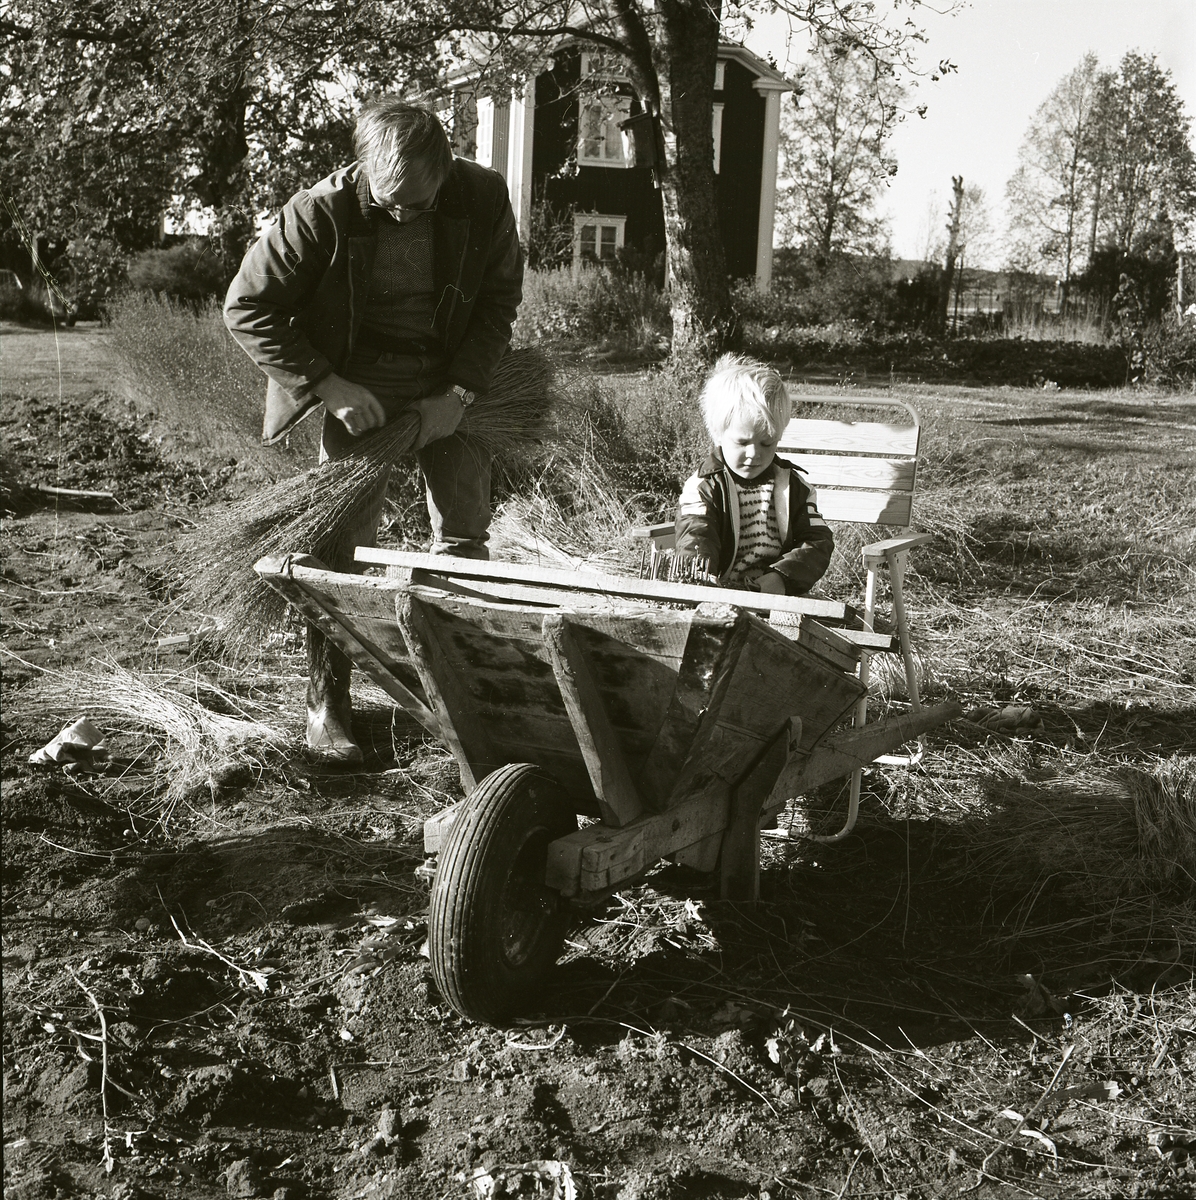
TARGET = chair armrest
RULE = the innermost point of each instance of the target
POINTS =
(874, 554)
(652, 531)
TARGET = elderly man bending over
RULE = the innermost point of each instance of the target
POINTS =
(391, 284)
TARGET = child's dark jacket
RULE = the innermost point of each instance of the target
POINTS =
(708, 522)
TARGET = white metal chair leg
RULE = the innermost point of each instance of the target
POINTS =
(861, 718)
(896, 578)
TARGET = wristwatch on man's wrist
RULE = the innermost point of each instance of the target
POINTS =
(463, 394)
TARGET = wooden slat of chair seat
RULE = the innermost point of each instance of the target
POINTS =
(866, 508)
(851, 437)
(840, 470)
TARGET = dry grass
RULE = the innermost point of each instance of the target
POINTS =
(200, 734)
(181, 361)
(317, 512)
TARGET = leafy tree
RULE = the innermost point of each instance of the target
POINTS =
(1053, 185)
(115, 111)
(1142, 152)
(833, 162)
(671, 48)
(1106, 160)
(219, 95)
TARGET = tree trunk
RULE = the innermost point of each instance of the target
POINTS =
(1096, 197)
(952, 252)
(685, 54)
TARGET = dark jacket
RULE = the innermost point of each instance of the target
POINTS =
(295, 306)
(708, 522)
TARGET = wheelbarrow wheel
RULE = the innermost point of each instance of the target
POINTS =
(494, 928)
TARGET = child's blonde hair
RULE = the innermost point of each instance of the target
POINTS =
(739, 386)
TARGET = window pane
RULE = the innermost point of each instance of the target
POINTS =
(608, 241)
(588, 240)
(599, 137)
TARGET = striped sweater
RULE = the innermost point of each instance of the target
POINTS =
(710, 524)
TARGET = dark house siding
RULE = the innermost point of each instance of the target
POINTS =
(558, 181)
(740, 165)
(568, 188)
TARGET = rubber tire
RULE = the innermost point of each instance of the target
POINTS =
(494, 928)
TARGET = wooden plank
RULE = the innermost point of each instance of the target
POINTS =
(865, 508)
(702, 855)
(876, 553)
(840, 471)
(739, 855)
(617, 794)
(504, 664)
(459, 726)
(772, 680)
(859, 437)
(436, 828)
(300, 585)
(645, 628)
(597, 858)
(601, 585)
(826, 643)
(711, 640)
(841, 754)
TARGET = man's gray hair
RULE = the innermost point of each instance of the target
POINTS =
(393, 136)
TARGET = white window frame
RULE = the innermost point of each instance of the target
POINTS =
(716, 122)
(604, 64)
(618, 160)
(720, 75)
(598, 220)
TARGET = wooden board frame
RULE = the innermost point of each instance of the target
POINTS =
(459, 726)
(522, 574)
(618, 797)
(286, 574)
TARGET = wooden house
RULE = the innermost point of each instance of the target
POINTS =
(558, 142)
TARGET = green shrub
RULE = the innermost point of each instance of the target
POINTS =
(599, 304)
(843, 288)
(92, 275)
(549, 237)
(192, 270)
(1171, 351)
(182, 362)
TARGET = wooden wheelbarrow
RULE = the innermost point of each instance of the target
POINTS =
(678, 728)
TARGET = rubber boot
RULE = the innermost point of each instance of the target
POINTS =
(329, 708)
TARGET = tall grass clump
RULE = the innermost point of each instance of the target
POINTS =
(609, 305)
(200, 734)
(1088, 326)
(319, 511)
(179, 359)
(613, 457)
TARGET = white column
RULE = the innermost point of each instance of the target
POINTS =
(768, 188)
(519, 155)
(485, 133)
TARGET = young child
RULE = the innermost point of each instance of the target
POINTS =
(745, 510)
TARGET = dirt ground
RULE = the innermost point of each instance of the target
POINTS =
(235, 1003)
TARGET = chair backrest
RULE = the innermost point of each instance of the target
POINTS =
(864, 471)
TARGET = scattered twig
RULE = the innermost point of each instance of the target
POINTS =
(1023, 1121)
(513, 1045)
(107, 1162)
(850, 1173)
(260, 979)
(72, 493)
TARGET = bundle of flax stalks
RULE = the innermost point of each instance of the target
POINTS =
(315, 513)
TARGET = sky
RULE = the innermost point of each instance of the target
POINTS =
(1010, 54)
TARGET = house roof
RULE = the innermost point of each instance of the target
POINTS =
(768, 78)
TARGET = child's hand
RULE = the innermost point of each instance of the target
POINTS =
(773, 583)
